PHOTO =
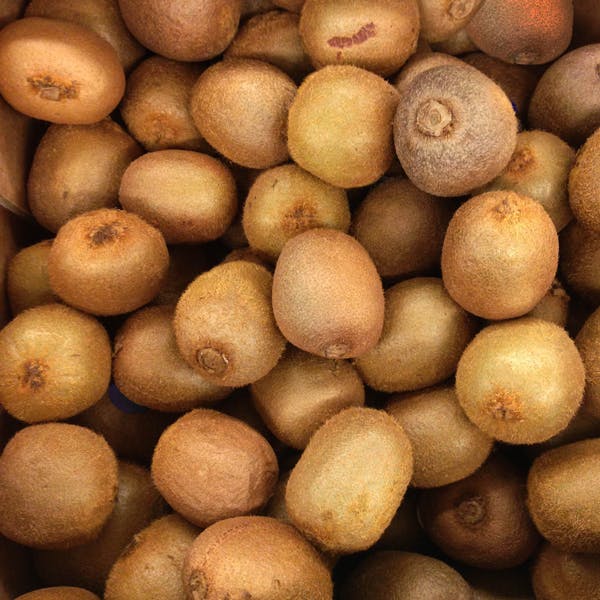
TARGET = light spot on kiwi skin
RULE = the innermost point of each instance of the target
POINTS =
(213, 361)
(471, 511)
(51, 89)
(507, 208)
(521, 162)
(505, 406)
(460, 9)
(362, 35)
(34, 375)
(301, 217)
(526, 57)
(434, 118)
(198, 585)
(337, 350)
(106, 233)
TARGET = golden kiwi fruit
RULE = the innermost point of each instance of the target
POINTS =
(588, 344)
(554, 306)
(59, 593)
(584, 183)
(16, 570)
(441, 20)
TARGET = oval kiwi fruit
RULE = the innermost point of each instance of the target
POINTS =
(441, 20)
(59, 593)
(584, 183)
(588, 344)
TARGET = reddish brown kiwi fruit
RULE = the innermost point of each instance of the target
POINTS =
(59, 593)
(16, 570)
(584, 183)
(586, 28)
(442, 20)
(59, 71)
(251, 255)
(588, 344)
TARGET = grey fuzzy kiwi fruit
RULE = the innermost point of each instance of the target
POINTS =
(588, 344)
(441, 20)
(59, 593)
(584, 183)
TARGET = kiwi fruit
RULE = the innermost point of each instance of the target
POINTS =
(255, 7)
(59, 593)
(339, 125)
(11, 10)
(588, 344)
(554, 306)
(240, 106)
(424, 335)
(291, 5)
(562, 512)
(78, 168)
(190, 197)
(8, 248)
(151, 566)
(249, 254)
(16, 570)
(504, 584)
(441, 20)
(539, 168)
(327, 295)
(107, 262)
(224, 324)
(255, 557)
(58, 484)
(457, 44)
(584, 182)
(500, 254)
(521, 381)
(586, 26)
(419, 63)
(59, 71)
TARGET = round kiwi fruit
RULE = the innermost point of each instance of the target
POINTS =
(554, 306)
(78, 168)
(588, 344)
(240, 106)
(58, 484)
(500, 254)
(59, 593)
(441, 20)
(424, 335)
(584, 183)
(16, 570)
(327, 295)
(59, 71)
(521, 381)
(107, 262)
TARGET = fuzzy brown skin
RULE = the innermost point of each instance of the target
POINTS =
(11, 10)
(339, 126)
(496, 284)
(56, 363)
(586, 22)
(521, 381)
(107, 262)
(150, 567)
(251, 255)
(584, 182)
(255, 7)
(8, 248)
(588, 344)
(337, 495)
(59, 593)
(424, 335)
(194, 30)
(442, 19)
(457, 44)
(220, 107)
(291, 5)
(455, 130)
(209, 466)
(419, 63)
(76, 169)
(59, 71)
(327, 295)
(16, 570)
(58, 485)
(554, 306)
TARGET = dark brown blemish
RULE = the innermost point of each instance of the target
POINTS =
(106, 233)
(33, 375)
(471, 510)
(362, 35)
(521, 161)
(505, 406)
(299, 218)
(50, 89)
(198, 585)
(212, 361)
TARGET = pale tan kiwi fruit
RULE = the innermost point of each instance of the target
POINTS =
(59, 71)
(11, 10)
(554, 306)
(240, 106)
(224, 324)
(419, 63)
(155, 105)
(27, 282)
(137, 504)
(446, 446)
(482, 520)
(78, 168)
(255, 557)
(193, 30)
(273, 37)
(586, 26)
(500, 254)
(291, 5)
(503, 584)
(584, 183)
(402, 228)
(588, 344)
(302, 392)
(406, 575)
(107, 262)
(209, 466)
(377, 35)
(563, 496)
(521, 381)
(339, 125)
(56, 363)
(189, 196)
(149, 370)
(327, 295)
(58, 484)
(287, 200)
(150, 567)
(539, 168)
(16, 570)
(59, 593)
(337, 495)
(101, 16)
(424, 335)
(440, 19)
(457, 44)
(553, 106)
(531, 34)
(454, 131)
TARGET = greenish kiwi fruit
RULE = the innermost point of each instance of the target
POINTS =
(58, 484)
(16, 570)
(584, 182)
(327, 295)
(245, 556)
(59, 71)
(186, 31)
(190, 197)
(441, 20)
(59, 593)
(457, 44)
(505, 584)
(529, 35)
(563, 495)
(224, 324)
(240, 106)
(554, 306)
(424, 335)
(586, 26)
(11, 10)
(151, 566)
(500, 254)
(287, 200)
(56, 363)
(502, 373)
(339, 125)
(386, 575)
(588, 344)
(209, 466)
(107, 262)
(419, 63)
(78, 168)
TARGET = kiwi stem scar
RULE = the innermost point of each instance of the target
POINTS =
(212, 361)
(52, 90)
(434, 118)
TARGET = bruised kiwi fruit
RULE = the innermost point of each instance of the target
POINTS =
(59, 593)
(584, 183)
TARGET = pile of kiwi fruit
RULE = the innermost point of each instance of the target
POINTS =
(300, 299)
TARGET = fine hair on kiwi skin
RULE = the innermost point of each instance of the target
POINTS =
(419, 63)
(584, 183)
(588, 344)
(441, 20)
(59, 593)
(251, 255)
